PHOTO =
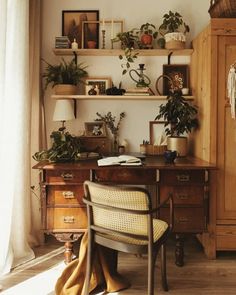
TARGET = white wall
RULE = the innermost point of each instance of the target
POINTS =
(138, 113)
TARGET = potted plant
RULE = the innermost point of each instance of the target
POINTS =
(173, 29)
(181, 118)
(129, 42)
(64, 76)
(148, 33)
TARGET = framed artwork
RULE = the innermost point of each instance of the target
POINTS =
(157, 133)
(95, 129)
(72, 26)
(179, 75)
(99, 83)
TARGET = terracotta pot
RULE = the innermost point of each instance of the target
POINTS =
(92, 44)
(65, 89)
(146, 39)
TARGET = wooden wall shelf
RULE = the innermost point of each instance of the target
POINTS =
(117, 52)
(115, 97)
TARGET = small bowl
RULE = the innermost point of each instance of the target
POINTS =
(170, 156)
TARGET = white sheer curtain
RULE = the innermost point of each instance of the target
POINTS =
(15, 134)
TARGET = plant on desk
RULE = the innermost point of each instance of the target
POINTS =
(65, 147)
(109, 121)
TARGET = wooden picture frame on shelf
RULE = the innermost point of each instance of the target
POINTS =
(101, 83)
(179, 77)
(95, 129)
(72, 21)
(157, 132)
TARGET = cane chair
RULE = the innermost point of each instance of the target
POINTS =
(121, 218)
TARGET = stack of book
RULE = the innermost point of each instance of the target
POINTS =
(139, 91)
(62, 42)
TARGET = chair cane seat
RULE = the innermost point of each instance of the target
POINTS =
(159, 228)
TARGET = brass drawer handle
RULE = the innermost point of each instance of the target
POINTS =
(67, 176)
(68, 219)
(68, 195)
(183, 177)
(182, 220)
(182, 196)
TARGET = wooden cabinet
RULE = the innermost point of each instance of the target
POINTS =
(214, 52)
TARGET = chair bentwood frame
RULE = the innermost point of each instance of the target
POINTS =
(121, 218)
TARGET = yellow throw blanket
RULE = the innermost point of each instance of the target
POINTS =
(71, 281)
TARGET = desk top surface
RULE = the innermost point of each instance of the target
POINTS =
(149, 162)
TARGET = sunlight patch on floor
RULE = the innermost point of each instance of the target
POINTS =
(41, 284)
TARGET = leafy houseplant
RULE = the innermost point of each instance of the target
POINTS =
(173, 28)
(129, 42)
(180, 117)
(65, 148)
(148, 33)
(64, 73)
(109, 121)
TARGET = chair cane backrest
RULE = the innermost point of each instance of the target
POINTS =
(136, 200)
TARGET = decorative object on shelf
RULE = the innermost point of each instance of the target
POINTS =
(139, 91)
(173, 29)
(169, 83)
(100, 84)
(74, 45)
(185, 91)
(63, 111)
(72, 26)
(115, 91)
(231, 88)
(179, 75)
(92, 44)
(109, 121)
(62, 42)
(66, 73)
(95, 129)
(170, 156)
(129, 42)
(91, 90)
(141, 79)
(65, 147)
(222, 8)
(148, 33)
(180, 117)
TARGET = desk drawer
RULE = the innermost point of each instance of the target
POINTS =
(65, 194)
(186, 220)
(67, 176)
(184, 195)
(66, 218)
(182, 177)
(126, 176)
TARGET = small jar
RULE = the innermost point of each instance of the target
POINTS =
(74, 45)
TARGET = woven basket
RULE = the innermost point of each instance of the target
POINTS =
(222, 8)
(151, 149)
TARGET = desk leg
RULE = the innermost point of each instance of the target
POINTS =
(179, 250)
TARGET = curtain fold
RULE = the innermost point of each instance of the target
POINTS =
(18, 97)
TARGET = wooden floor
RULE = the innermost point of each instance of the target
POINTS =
(199, 276)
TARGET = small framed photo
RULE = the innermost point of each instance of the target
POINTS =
(179, 75)
(157, 133)
(95, 129)
(72, 26)
(99, 84)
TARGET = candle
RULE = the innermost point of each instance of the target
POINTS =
(112, 29)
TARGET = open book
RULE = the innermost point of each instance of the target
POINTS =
(120, 160)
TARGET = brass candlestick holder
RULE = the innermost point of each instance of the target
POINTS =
(103, 38)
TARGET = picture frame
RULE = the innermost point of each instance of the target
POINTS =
(179, 75)
(157, 134)
(103, 83)
(72, 27)
(95, 129)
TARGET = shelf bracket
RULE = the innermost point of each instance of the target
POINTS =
(75, 56)
(169, 56)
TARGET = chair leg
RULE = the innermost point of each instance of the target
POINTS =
(163, 268)
(151, 265)
(89, 262)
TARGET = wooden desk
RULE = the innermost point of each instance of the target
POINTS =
(64, 214)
